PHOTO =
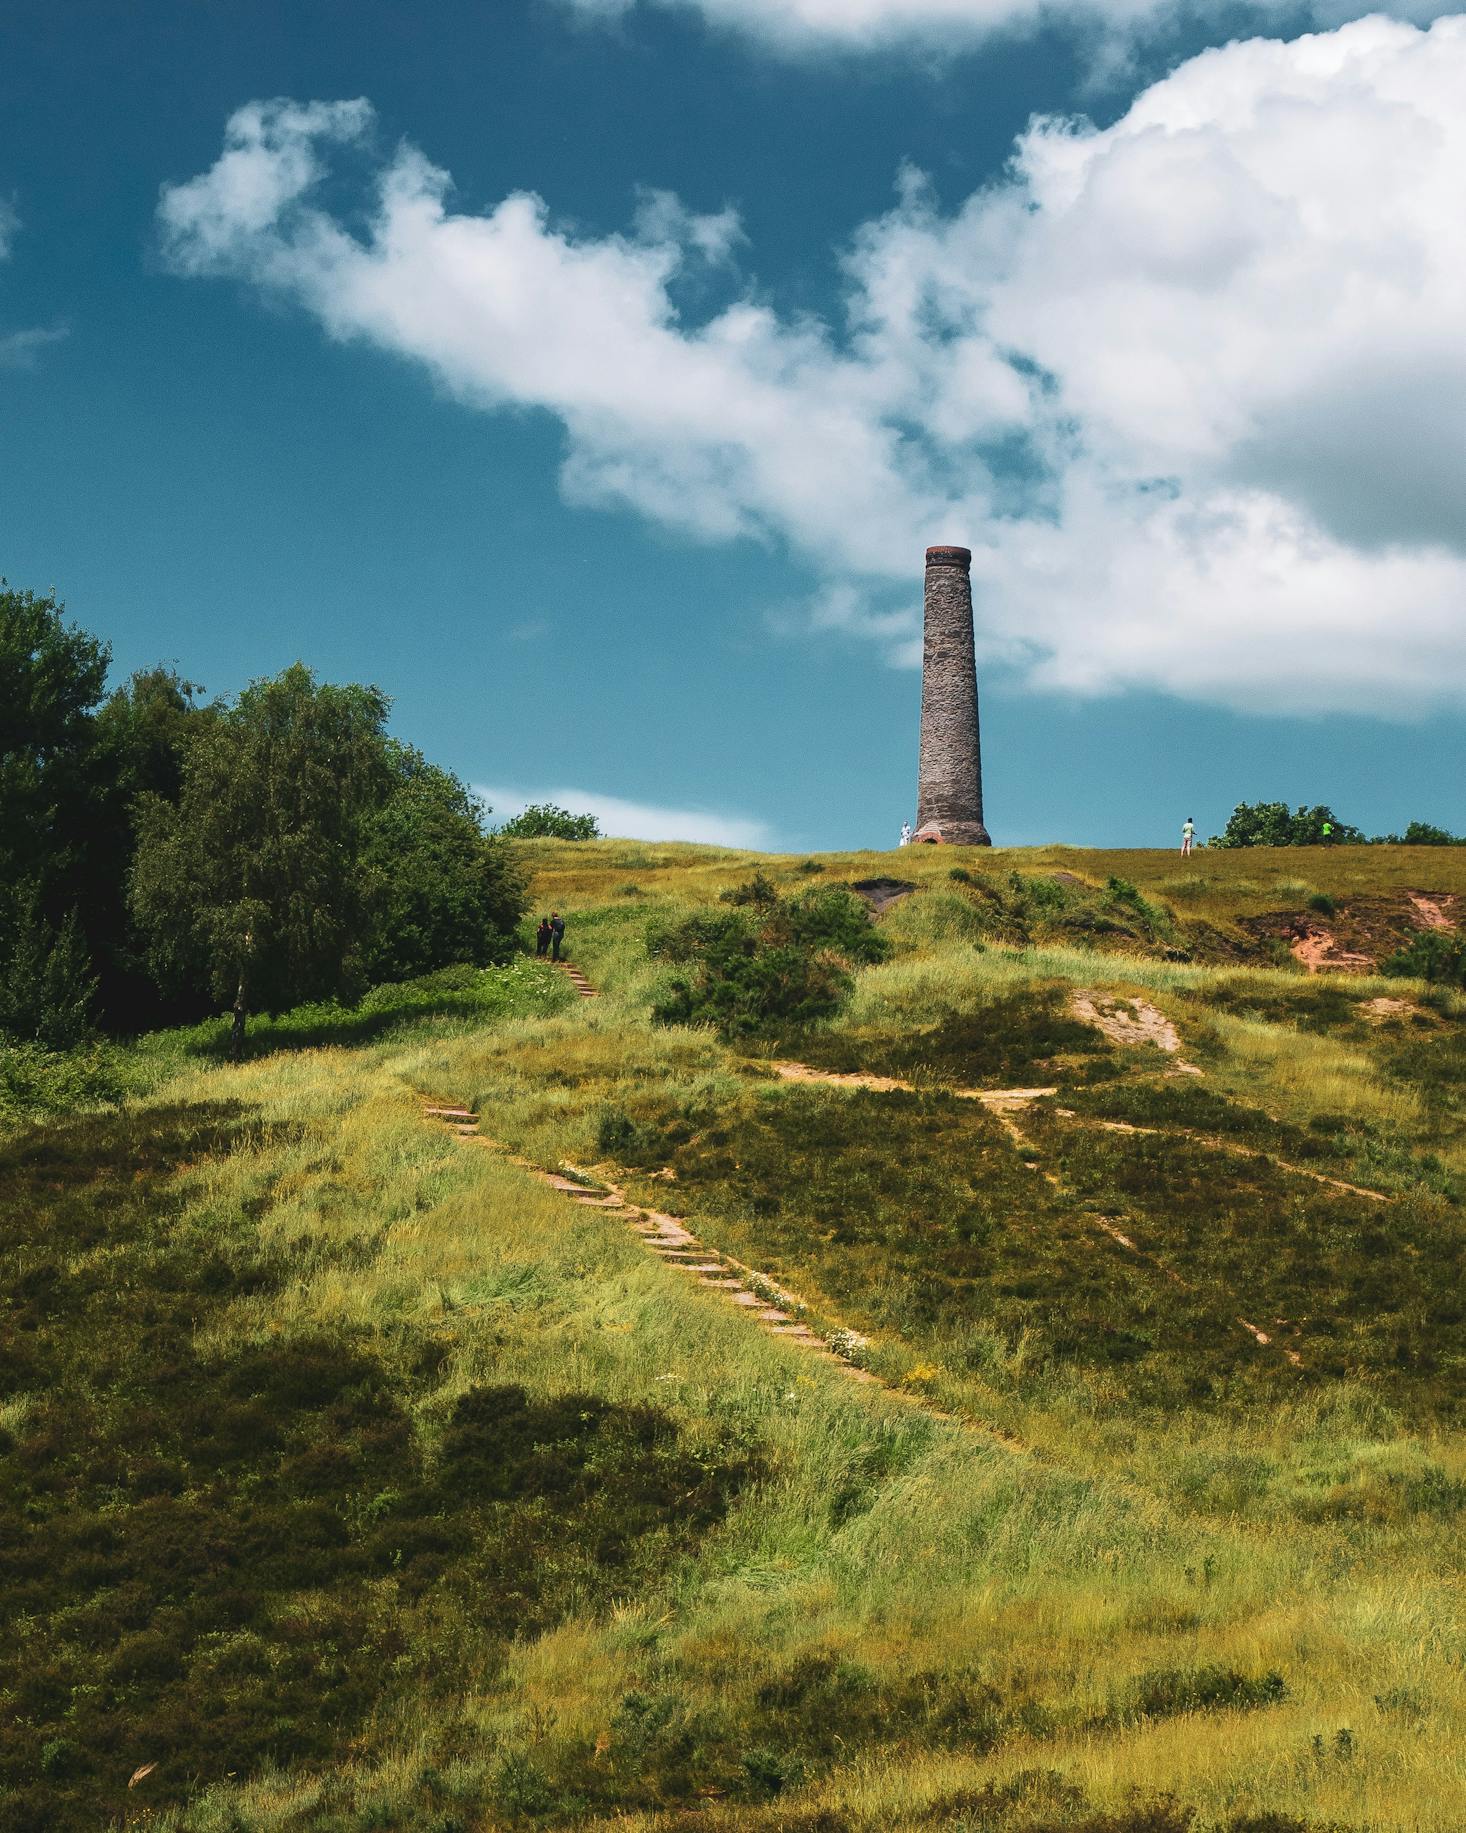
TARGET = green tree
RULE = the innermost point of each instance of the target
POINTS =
(547, 821)
(51, 679)
(142, 731)
(441, 890)
(249, 885)
(1424, 833)
(1273, 824)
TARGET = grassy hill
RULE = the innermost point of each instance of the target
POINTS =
(356, 1478)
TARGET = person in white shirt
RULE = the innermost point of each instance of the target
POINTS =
(1188, 834)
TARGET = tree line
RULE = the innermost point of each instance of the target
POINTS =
(1275, 824)
(163, 855)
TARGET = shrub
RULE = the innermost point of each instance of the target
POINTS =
(1322, 903)
(1435, 954)
(768, 963)
(548, 821)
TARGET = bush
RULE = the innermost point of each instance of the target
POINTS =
(768, 963)
(548, 821)
(1435, 954)
(34, 1081)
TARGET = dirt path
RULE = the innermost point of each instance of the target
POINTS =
(1007, 1106)
(1218, 1143)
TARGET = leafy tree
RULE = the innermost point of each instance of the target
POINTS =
(250, 884)
(1421, 833)
(441, 890)
(547, 821)
(142, 732)
(1272, 824)
(51, 679)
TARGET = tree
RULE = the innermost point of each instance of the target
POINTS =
(547, 821)
(250, 884)
(1271, 824)
(142, 732)
(1421, 833)
(51, 679)
(441, 890)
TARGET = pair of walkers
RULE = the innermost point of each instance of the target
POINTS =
(550, 935)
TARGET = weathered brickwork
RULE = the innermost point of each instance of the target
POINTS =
(949, 789)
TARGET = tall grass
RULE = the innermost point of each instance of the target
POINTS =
(898, 1620)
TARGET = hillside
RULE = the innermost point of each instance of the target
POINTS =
(1088, 1455)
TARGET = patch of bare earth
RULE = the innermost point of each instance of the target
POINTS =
(1433, 912)
(1319, 952)
(1382, 1009)
(1131, 1023)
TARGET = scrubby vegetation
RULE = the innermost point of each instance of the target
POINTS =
(548, 821)
(355, 1480)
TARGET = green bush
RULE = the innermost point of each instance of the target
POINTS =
(548, 821)
(35, 1082)
(1435, 954)
(768, 963)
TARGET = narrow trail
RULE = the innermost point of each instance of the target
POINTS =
(1238, 1150)
(1007, 1105)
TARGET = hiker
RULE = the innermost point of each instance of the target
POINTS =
(1328, 833)
(542, 938)
(1188, 834)
(906, 833)
(557, 934)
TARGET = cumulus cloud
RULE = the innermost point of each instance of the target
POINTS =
(625, 820)
(1192, 386)
(864, 25)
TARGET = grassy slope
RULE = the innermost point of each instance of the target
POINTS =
(1203, 1570)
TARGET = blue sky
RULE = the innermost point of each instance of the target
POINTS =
(624, 492)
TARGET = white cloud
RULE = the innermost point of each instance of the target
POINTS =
(19, 349)
(621, 819)
(945, 25)
(1192, 387)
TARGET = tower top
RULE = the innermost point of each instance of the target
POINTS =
(949, 556)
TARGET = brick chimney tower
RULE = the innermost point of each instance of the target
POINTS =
(949, 787)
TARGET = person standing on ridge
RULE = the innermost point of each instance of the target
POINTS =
(906, 833)
(1188, 835)
(557, 934)
(542, 938)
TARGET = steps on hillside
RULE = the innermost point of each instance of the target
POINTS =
(577, 979)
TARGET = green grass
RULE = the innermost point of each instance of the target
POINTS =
(358, 1481)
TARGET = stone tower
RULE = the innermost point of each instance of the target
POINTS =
(949, 787)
